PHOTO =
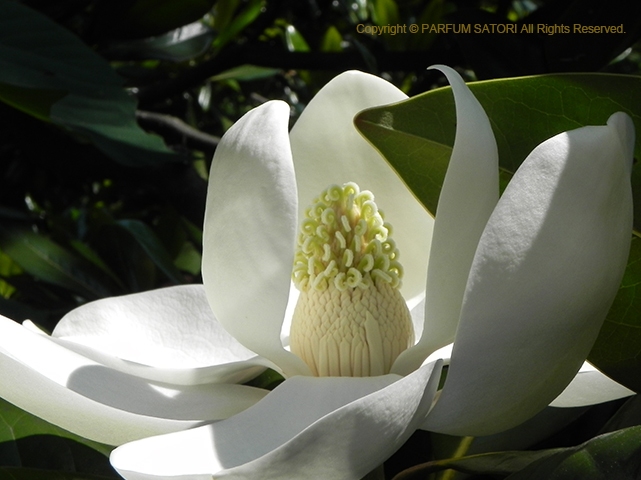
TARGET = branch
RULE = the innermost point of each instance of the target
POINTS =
(267, 56)
(199, 140)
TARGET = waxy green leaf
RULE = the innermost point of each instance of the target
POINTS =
(416, 135)
(501, 463)
(617, 350)
(611, 455)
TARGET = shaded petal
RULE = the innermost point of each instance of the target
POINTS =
(99, 403)
(468, 197)
(306, 428)
(329, 150)
(537, 429)
(249, 232)
(167, 335)
(545, 274)
(590, 387)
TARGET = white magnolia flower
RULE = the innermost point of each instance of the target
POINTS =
(521, 284)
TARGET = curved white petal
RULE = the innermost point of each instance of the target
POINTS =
(590, 387)
(468, 197)
(249, 232)
(167, 335)
(99, 403)
(328, 150)
(547, 269)
(307, 428)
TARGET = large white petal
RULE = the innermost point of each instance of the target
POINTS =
(167, 335)
(468, 197)
(590, 387)
(307, 428)
(545, 274)
(249, 232)
(329, 150)
(100, 403)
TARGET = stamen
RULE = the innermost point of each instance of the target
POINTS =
(348, 258)
(328, 252)
(351, 319)
(359, 239)
(345, 221)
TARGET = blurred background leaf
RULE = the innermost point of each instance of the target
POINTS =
(76, 88)
(29, 442)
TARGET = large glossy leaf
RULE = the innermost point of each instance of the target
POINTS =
(36, 102)
(48, 72)
(611, 455)
(416, 137)
(501, 463)
(617, 351)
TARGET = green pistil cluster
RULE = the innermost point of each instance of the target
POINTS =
(344, 240)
